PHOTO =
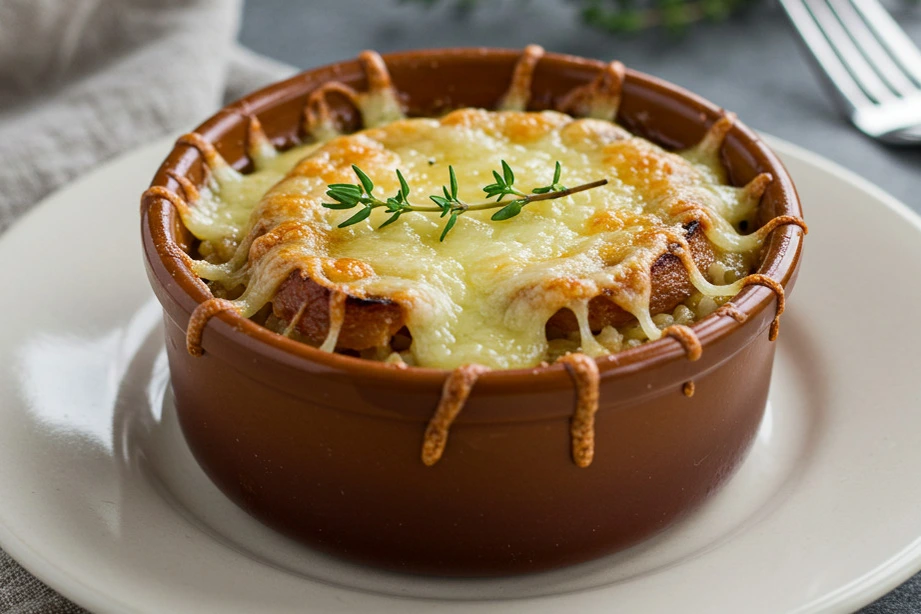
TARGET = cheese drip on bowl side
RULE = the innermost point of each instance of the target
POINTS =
(483, 295)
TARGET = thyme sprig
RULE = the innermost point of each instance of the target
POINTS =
(349, 196)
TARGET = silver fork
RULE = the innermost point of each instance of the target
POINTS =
(872, 66)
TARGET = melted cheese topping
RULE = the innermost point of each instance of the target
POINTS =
(225, 203)
(483, 295)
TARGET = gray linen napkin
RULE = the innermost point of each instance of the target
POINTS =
(81, 81)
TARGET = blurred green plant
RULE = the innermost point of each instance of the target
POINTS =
(635, 15)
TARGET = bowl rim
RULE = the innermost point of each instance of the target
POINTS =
(780, 260)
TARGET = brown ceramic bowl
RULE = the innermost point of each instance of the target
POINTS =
(326, 448)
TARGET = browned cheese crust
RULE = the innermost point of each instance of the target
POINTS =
(671, 286)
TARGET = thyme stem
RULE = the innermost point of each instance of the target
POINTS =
(489, 204)
(348, 196)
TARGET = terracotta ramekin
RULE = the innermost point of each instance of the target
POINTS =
(326, 448)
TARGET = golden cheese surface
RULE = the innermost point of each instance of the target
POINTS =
(485, 293)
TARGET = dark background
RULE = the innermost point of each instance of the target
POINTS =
(751, 65)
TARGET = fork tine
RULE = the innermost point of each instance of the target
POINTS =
(871, 48)
(849, 93)
(892, 36)
(850, 55)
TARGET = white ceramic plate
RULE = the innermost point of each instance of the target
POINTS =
(100, 498)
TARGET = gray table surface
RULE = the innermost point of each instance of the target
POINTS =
(751, 65)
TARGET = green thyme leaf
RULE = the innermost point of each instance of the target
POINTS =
(404, 187)
(555, 186)
(391, 219)
(361, 215)
(448, 226)
(344, 193)
(508, 211)
(346, 188)
(365, 180)
(444, 203)
(453, 183)
(507, 174)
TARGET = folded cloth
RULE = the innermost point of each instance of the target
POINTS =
(82, 80)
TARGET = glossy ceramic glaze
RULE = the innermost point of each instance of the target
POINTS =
(326, 448)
